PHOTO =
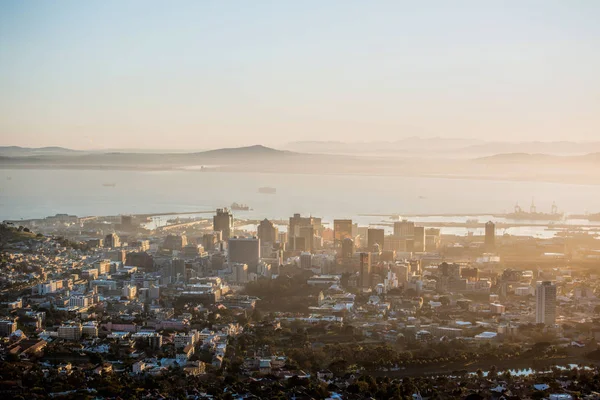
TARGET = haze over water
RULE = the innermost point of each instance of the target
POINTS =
(32, 193)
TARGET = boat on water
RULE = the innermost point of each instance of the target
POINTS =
(109, 184)
(534, 215)
(239, 207)
(267, 190)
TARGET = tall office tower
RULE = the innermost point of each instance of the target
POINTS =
(178, 270)
(245, 251)
(308, 234)
(419, 239)
(545, 304)
(306, 260)
(365, 270)
(267, 232)
(297, 243)
(342, 229)
(404, 229)
(375, 236)
(490, 236)
(112, 240)
(175, 242)
(223, 222)
(393, 243)
(433, 239)
(298, 229)
(347, 249)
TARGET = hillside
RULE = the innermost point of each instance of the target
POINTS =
(257, 153)
(13, 151)
(526, 158)
(510, 166)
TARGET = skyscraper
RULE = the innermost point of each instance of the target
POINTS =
(175, 242)
(432, 239)
(419, 239)
(404, 229)
(308, 234)
(347, 249)
(267, 232)
(298, 228)
(490, 236)
(365, 270)
(545, 304)
(342, 229)
(375, 236)
(223, 222)
(244, 251)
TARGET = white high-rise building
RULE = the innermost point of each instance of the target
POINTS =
(545, 305)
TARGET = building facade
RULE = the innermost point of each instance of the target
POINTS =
(545, 304)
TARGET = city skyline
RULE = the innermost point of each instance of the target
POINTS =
(114, 75)
(299, 200)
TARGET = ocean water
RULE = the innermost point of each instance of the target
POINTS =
(36, 193)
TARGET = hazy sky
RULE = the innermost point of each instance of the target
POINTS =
(205, 74)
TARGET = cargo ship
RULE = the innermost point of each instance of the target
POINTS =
(534, 215)
(239, 207)
(109, 184)
(267, 190)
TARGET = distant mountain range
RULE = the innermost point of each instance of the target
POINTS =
(23, 157)
(507, 166)
(445, 147)
(512, 158)
(412, 144)
(14, 151)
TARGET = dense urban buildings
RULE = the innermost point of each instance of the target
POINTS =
(183, 295)
(303, 232)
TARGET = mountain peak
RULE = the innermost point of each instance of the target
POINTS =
(257, 149)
